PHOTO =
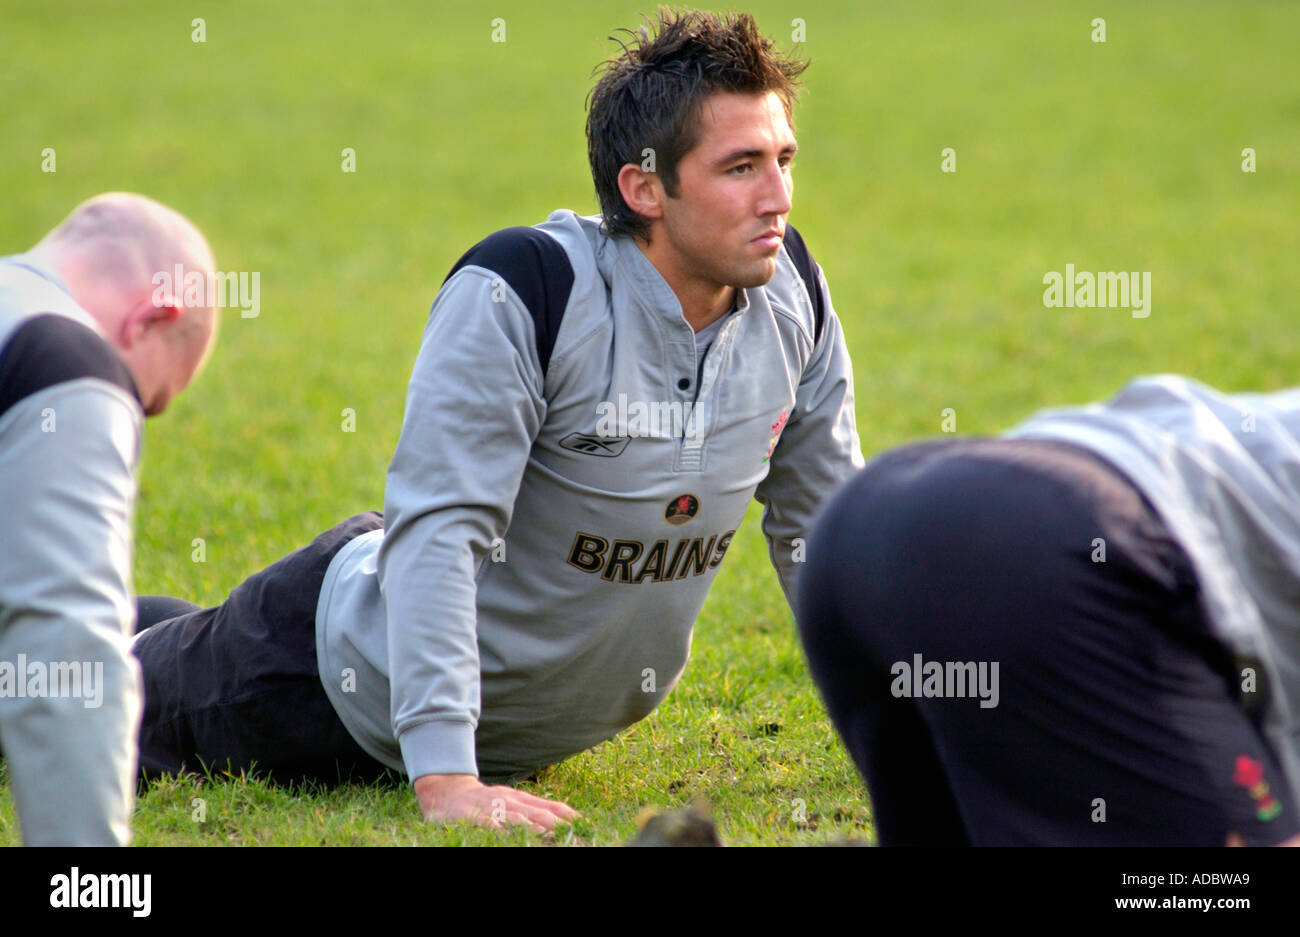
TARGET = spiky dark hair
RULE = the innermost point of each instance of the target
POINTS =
(650, 95)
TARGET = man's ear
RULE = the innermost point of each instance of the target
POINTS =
(148, 315)
(642, 191)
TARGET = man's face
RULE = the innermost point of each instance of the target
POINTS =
(174, 377)
(734, 192)
(164, 361)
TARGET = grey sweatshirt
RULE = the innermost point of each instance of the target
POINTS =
(1223, 472)
(550, 532)
(70, 426)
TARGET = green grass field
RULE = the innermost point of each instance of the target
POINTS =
(1123, 155)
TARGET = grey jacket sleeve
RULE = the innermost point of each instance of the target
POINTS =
(817, 452)
(71, 710)
(473, 408)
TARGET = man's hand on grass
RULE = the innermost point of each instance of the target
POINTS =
(449, 797)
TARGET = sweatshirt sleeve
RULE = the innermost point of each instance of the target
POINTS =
(72, 698)
(817, 452)
(473, 408)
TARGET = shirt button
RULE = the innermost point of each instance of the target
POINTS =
(684, 383)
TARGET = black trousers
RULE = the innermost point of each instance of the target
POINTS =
(1117, 717)
(236, 687)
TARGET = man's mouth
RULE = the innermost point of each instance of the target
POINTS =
(768, 240)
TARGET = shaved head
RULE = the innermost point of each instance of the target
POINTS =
(134, 228)
(109, 251)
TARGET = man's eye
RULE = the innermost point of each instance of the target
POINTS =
(739, 170)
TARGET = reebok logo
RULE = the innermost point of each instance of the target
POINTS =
(607, 447)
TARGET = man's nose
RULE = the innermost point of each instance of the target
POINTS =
(776, 192)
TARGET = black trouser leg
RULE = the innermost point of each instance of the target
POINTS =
(151, 609)
(1113, 715)
(236, 687)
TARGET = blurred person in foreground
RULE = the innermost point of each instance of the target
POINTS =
(1084, 632)
(89, 345)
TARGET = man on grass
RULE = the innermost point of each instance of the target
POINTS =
(595, 402)
(90, 344)
(1086, 632)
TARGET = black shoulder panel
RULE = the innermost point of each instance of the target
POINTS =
(50, 349)
(537, 269)
(807, 268)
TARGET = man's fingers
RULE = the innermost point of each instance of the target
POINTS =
(540, 819)
(514, 810)
(522, 819)
(498, 818)
(499, 807)
(559, 808)
(549, 816)
(476, 814)
(540, 814)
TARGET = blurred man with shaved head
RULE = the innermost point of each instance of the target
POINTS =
(88, 346)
